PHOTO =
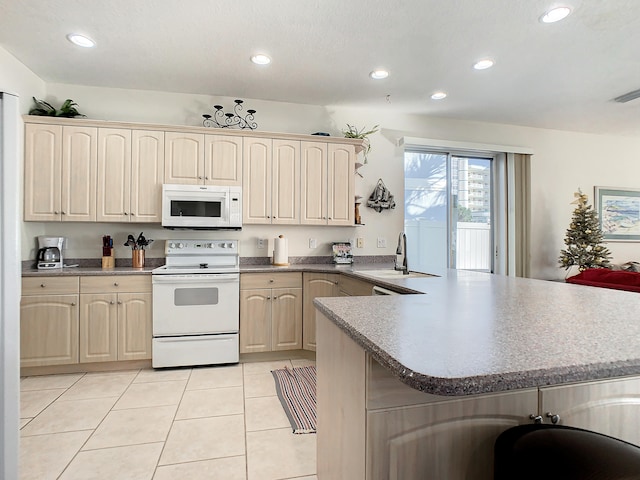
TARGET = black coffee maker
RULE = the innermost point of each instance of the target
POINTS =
(49, 252)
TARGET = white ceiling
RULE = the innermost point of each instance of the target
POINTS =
(560, 76)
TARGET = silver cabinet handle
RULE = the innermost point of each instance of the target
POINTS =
(115, 284)
(73, 304)
(111, 302)
(126, 213)
(56, 212)
(206, 178)
(119, 302)
(64, 213)
(536, 418)
(43, 285)
(199, 178)
(268, 298)
(555, 418)
(271, 280)
(132, 214)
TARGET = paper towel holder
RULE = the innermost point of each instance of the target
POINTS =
(280, 252)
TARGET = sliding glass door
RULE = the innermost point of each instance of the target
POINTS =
(448, 210)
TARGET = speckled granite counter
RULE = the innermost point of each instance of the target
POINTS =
(475, 333)
(86, 271)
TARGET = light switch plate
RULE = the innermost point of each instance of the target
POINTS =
(382, 242)
(261, 243)
(360, 242)
(313, 243)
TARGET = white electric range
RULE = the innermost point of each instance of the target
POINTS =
(196, 304)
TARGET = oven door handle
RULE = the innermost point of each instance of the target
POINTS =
(182, 279)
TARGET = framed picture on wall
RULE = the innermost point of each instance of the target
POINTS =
(619, 213)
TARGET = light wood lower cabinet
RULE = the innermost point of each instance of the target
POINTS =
(115, 324)
(315, 285)
(270, 312)
(372, 426)
(348, 286)
(67, 320)
(49, 321)
(611, 407)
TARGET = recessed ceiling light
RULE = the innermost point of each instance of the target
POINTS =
(379, 74)
(438, 96)
(81, 40)
(555, 14)
(484, 64)
(261, 59)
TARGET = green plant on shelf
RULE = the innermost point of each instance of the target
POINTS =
(353, 132)
(44, 109)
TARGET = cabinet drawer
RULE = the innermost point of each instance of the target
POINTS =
(354, 287)
(49, 285)
(271, 280)
(115, 284)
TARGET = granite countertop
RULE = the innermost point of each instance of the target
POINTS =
(475, 333)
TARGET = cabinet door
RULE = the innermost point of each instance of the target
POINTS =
(184, 158)
(42, 172)
(222, 160)
(48, 330)
(98, 328)
(79, 170)
(450, 439)
(256, 166)
(611, 407)
(285, 194)
(147, 175)
(341, 185)
(114, 175)
(313, 194)
(134, 326)
(316, 285)
(286, 319)
(255, 320)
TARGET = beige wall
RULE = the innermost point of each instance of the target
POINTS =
(562, 162)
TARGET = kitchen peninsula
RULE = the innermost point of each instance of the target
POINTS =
(419, 386)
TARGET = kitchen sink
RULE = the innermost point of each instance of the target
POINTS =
(392, 274)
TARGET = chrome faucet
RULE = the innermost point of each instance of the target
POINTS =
(402, 250)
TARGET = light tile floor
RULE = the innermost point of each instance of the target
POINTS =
(222, 422)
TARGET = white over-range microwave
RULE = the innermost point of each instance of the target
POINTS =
(202, 207)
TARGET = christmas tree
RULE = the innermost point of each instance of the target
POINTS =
(584, 238)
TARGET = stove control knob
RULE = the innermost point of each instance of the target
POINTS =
(229, 245)
(172, 245)
(180, 245)
(209, 245)
(223, 245)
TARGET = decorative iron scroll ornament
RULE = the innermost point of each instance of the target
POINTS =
(230, 120)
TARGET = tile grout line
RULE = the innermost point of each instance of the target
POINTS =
(97, 426)
(164, 443)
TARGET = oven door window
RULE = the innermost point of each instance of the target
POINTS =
(183, 297)
(197, 208)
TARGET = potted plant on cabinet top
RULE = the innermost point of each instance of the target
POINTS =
(353, 132)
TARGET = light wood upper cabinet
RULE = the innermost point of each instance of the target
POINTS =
(313, 195)
(90, 170)
(60, 173)
(341, 185)
(222, 160)
(184, 158)
(257, 171)
(79, 169)
(147, 176)
(285, 183)
(114, 175)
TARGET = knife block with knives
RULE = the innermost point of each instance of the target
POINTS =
(108, 260)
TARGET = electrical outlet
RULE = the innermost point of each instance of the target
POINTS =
(313, 243)
(360, 242)
(261, 243)
(382, 242)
